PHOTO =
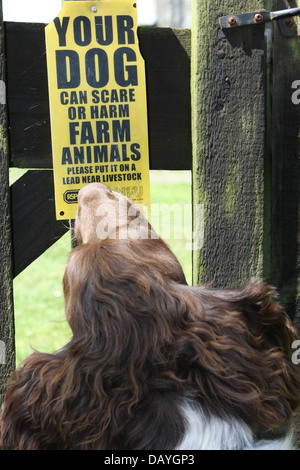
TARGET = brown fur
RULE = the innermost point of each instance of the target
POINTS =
(143, 342)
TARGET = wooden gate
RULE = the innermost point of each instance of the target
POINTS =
(224, 105)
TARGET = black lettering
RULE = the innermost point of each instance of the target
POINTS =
(103, 112)
(72, 114)
(78, 155)
(124, 155)
(121, 131)
(99, 20)
(123, 110)
(67, 69)
(83, 97)
(62, 30)
(100, 154)
(115, 154)
(131, 94)
(64, 97)
(102, 131)
(66, 156)
(87, 133)
(125, 28)
(104, 96)
(125, 75)
(136, 154)
(95, 95)
(73, 97)
(123, 95)
(94, 112)
(113, 111)
(88, 156)
(73, 132)
(114, 96)
(81, 112)
(82, 31)
(96, 64)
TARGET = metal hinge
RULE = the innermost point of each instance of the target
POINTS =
(288, 25)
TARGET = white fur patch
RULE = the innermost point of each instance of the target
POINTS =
(212, 433)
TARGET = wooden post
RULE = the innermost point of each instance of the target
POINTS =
(7, 337)
(284, 173)
(284, 269)
(228, 136)
(246, 152)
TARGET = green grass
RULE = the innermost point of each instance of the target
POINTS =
(38, 295)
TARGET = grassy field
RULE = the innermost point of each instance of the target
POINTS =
(38, 296)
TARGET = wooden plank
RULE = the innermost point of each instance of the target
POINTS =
(7, 352)
(35, 228)
(285, 171)
(27, 94)
(228, 134)
(283, 269)
(167, 56)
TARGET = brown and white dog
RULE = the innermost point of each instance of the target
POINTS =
(153, 363)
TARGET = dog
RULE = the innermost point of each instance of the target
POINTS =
(153, 363)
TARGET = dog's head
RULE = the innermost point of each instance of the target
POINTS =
(104, 214)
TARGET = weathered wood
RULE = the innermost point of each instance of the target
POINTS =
(6, 287)
(285, 171)
(35, 227)
(167, 56)
(228, 133)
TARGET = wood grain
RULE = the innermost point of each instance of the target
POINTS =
(6, 284)
(228, 135)
(35, 227)
(284, 271)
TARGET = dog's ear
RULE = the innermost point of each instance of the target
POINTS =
(237, 352)
(264, 317)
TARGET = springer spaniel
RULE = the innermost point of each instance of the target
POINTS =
(153, 363)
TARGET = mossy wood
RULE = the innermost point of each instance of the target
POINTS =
(246, 136)
(228, 135)
(7, 336)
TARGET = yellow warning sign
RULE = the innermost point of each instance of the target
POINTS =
(98, 109)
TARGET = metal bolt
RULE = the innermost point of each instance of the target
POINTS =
(258, 18)
(289, 22)
(94, 9)
(232, 21)
(221, 54)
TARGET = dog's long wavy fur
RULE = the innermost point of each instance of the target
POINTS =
(154, 363)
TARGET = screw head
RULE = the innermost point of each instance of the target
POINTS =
(221, 54)
(232, 21)
(258, 18)
(289, 22)
(94, 9)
